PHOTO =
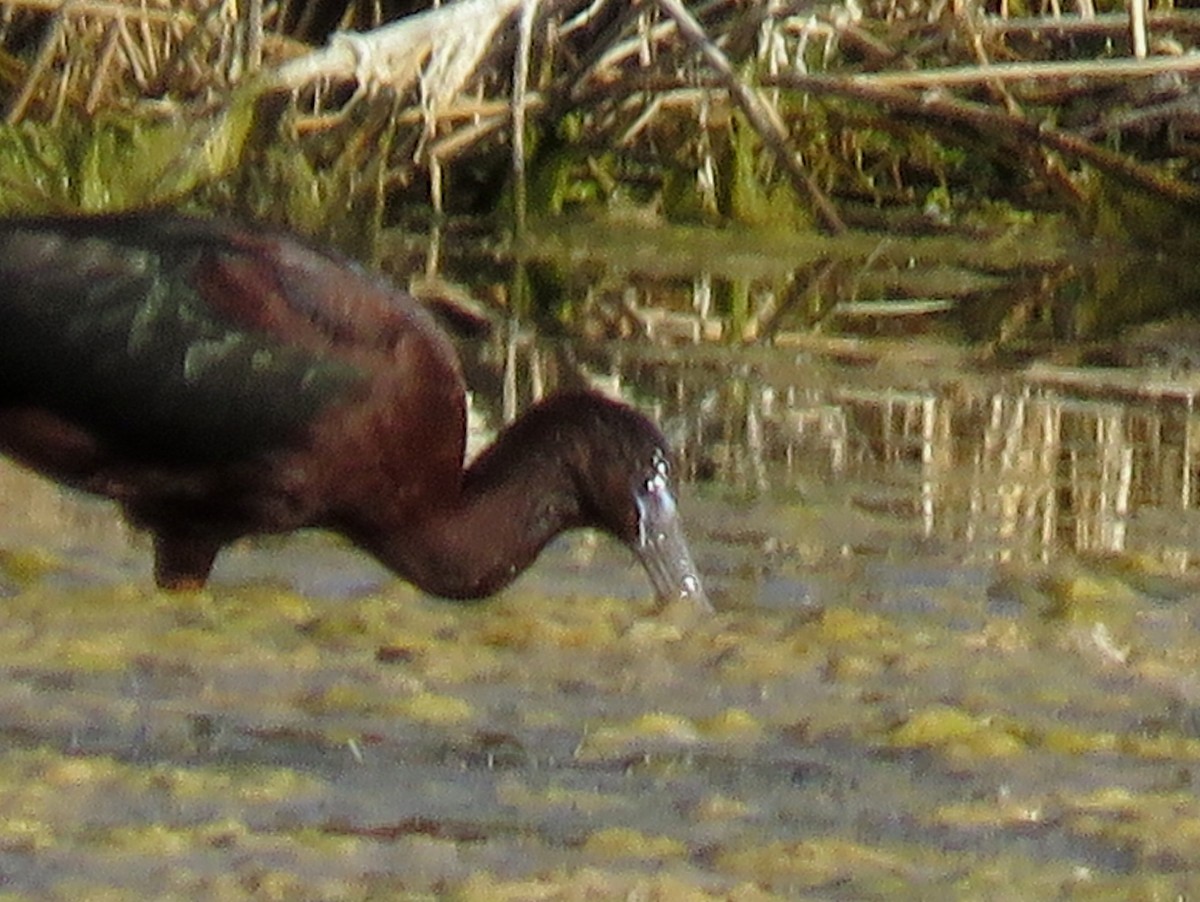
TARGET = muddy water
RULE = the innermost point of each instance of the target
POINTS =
(955, 657)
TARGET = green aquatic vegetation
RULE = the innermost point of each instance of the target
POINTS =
(597, 705)
(1085, 596)
(654, 730)
(733, 725)
(956, 733)
(118, 161)
(754, 194)
(25, 566)
(564, 177)
(823, 861)
(361, 698)
(625, 842)
(435, 708)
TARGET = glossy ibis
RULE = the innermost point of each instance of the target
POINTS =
(219, 381)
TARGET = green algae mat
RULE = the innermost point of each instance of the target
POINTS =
(253, 743)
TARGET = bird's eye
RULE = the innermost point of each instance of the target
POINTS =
(662, 466)
(662, 473)
(654, 502)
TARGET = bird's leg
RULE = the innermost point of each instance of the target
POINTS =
(182, 562)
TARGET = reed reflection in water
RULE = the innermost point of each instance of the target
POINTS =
(1013, 467)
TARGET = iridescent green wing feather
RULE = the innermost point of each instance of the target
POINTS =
(110, 325)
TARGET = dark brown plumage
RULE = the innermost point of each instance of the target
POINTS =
(218, 381)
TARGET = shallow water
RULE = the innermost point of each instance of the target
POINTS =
(956, 656)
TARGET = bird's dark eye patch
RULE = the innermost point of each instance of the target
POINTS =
(662, 463)
(655, 491)
(661, 478)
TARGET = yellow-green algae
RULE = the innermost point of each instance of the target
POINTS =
(577, 687)
(596, 883)
(625, 842)
(956, 732)
(25, 566)
(655, 728)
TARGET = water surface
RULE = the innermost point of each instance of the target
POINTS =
(955, 656)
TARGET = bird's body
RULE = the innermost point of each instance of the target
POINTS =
(218, 382)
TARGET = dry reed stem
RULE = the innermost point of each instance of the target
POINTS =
(90, 44)
(520, 79)
(103, 10)
(764, 118)
(1000, 125)
(626, 75)
(1109, 24)
(1096, 71)
(442, 47)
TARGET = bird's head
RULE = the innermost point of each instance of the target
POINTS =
(623, 473)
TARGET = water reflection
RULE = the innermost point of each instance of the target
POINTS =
(1013, 467)
(881, 682)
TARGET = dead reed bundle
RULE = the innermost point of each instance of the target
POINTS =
(759, 110)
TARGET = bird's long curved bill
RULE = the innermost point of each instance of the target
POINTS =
(663, 550)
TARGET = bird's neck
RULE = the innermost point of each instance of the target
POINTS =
(517, 496)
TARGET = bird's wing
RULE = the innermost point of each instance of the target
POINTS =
(161, 337)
